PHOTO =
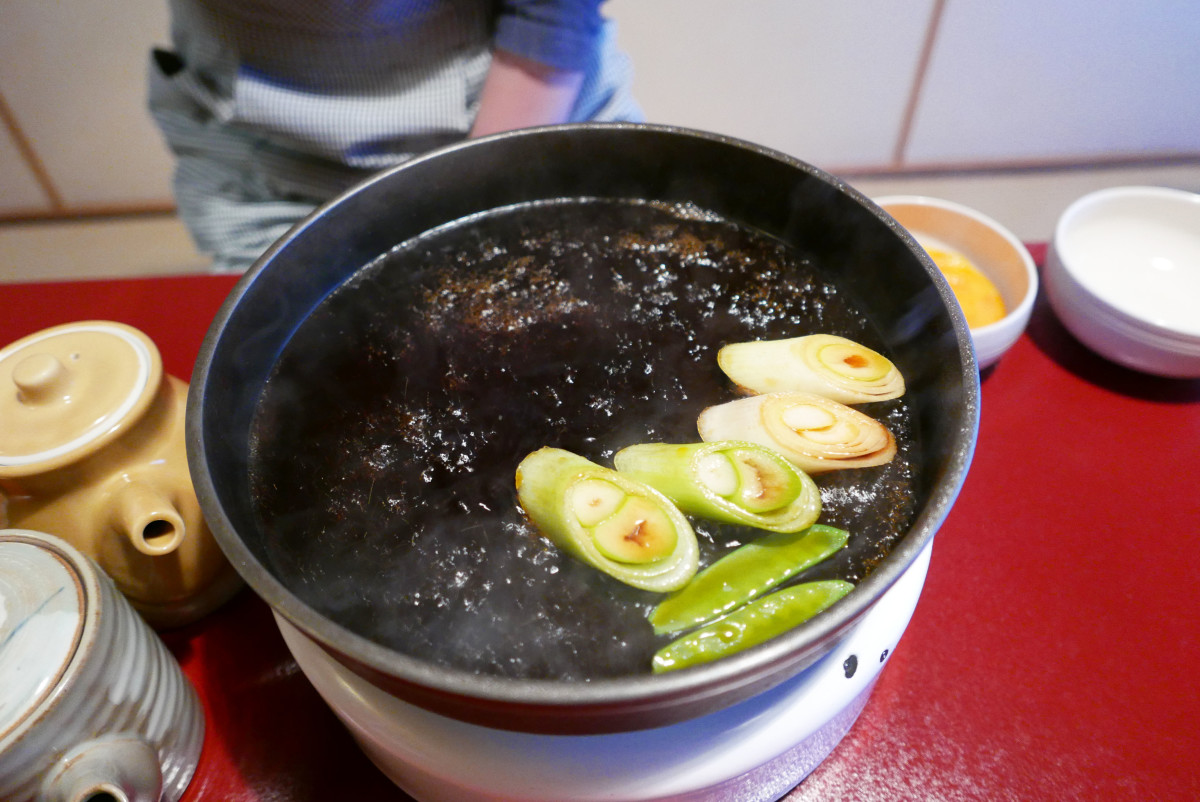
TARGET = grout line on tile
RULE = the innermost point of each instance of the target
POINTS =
(32, 160)
(918, 83)
(107, 211)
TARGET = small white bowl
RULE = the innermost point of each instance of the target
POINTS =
(1123, 274)
(992, 248)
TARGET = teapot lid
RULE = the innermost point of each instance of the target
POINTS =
(67, 391)
(43, 604)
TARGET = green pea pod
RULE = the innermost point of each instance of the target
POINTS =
(745, 574)
(616, 524)
(732, 481)
(753, 624)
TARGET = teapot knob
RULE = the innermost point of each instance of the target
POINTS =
(41, 378)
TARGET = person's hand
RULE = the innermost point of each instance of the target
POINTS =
(519, 93)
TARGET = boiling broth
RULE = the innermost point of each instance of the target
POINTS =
(386, 439)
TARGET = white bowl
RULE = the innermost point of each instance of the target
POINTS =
(1123, 274)
(992, 248)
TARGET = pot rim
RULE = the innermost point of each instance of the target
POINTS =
(607, 703)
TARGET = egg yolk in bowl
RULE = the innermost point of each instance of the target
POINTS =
(977, 295)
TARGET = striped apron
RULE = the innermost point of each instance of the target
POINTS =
(272, 107)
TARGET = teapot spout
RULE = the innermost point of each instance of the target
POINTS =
(121, 768)
(148, 518)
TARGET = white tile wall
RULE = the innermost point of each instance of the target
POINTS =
(1025, 80)
(20, 192)
(1031, 80)
(73, 73)
(1018, 82)
(825, 82)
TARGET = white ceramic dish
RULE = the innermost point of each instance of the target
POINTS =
(992, 248)
(1123, 274)
(754, 751)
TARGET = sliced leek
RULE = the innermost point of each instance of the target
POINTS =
(829, 366)
(745, 574)
(735, 482)
(612, 522)
(814, 433)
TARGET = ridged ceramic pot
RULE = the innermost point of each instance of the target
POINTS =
(92, 704)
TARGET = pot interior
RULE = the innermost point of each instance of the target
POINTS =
(458, 335)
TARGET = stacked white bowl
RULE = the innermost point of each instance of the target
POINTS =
(1123, 274)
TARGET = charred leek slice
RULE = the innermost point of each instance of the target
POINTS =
(751, 625)
(735, 482)
(814, 433)
(829, 366)
(745, 574)
(609, 521)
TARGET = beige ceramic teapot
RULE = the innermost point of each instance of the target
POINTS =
(92, 450)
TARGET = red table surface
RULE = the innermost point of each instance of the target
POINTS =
(1054, 653)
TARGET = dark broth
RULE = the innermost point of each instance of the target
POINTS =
(386, 440)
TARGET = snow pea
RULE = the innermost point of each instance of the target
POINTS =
(745, 574)
(751, 625)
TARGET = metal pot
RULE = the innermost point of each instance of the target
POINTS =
(895, 284)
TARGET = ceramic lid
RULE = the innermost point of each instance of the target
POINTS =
(42, 614)
(68, 390)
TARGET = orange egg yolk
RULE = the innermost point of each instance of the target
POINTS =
(977, 295)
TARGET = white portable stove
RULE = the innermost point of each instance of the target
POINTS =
(754, 751)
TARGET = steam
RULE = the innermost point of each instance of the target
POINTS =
(388, 435)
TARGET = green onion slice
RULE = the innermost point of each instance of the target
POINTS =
(614, 523)
(735, 482)
(829, 366)
(812, 432)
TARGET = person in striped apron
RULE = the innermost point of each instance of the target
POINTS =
(272, 107)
